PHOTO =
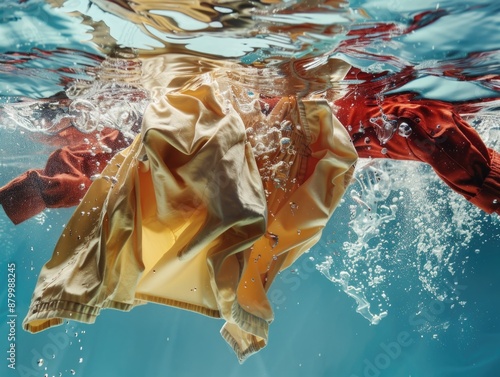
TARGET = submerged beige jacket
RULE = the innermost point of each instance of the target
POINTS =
(207, 205)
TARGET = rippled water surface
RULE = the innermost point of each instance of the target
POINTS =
(404, 281)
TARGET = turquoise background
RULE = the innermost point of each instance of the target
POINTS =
(317, 331)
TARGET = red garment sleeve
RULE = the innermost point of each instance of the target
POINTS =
(65, 179)
(437, 135)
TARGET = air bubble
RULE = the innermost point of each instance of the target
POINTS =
(275, 239)
(280, 173)
(404, 129)
(40, 362)
(285, 141)
(286, 125)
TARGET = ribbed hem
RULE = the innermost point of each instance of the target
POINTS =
(254, 346)
(249, 322)
(246, 333)
(43, 315)
(38, 325)
(214, 313)
(47, 314)
(488, 196)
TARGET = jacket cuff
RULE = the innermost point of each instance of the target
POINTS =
(488, 196)
(21, 198)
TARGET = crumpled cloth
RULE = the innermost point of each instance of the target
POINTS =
(201, 212)
(66, 176)
(430, 131)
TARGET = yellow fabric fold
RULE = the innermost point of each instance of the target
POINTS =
(201, 212)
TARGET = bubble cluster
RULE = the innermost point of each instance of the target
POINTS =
(112, 100)
(109, 105)
(384, 128)
(405, 224)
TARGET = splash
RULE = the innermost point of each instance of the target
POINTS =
(405, 224)
(361, 260)
(114, 99)
(363, 305)
(487, 124)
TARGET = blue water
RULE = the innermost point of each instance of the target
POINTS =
(412, 291)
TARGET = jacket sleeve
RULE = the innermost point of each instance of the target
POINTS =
(64, 180)
(429, 131)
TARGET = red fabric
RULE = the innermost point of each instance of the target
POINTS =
(439, 137)
(66, 176)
